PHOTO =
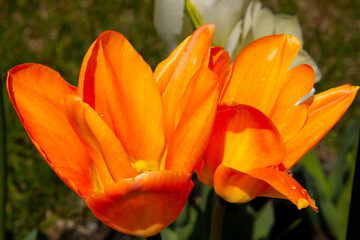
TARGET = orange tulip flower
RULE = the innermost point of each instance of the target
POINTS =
(126, 139)
(260, 131)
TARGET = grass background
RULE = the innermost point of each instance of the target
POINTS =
(58, 34)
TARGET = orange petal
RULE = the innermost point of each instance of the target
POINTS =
(108, 155)
(325, 110)
(288, 117)
(144, 205)
(220, 63)
(37, 93)
(166, 68)
(193, 57)
(259, 70)
(119, 85)
(194, 119)
(243, 138)
(235, 186)
(285, 185)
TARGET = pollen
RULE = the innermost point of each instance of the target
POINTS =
(302, 203)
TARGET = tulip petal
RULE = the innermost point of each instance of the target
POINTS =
(240, 187)
(235, 186)
(37, 93)
(117, 83)
(194, 120)
(144, 205)
(109, 157)
(288, 117)
(220, 63)
(325, 110)
(258, 72)
(195, 56)
(166, 68)
(285, 185)
(242, 138)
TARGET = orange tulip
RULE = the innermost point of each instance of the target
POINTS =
(126, 139)
(259, 131)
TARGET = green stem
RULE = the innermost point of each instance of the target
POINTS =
(155, 237)
(218, 219)
(2, 166)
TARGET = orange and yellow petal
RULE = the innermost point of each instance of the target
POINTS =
(259, 70)
(107, 153)
(288, 117)
(37, 93)
(120, 86)
(325, 109)
(194, 120)
(144, 205)
(243, 138)
(194, 56)
(286, 185)
(235, 186)
(220, 63)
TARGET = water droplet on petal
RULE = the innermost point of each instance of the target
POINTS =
(304, 191)
(273, 167)
(293, 187)
(289, 173)
(282, 180)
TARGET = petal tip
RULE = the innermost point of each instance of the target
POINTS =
(302, 203)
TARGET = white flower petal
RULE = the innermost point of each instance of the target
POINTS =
(288, 25)
(168, 21)
(304, 58)
(234, 38)
(225, 14)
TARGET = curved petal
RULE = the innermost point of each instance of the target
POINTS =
(37, 93)
(243, 138)
(108, 155)
(235, 186)
(195, 56)
(144, 205)
(220, 63)
(166, 68)
(325, 110)
(285, 185)
(194, 121)
(288, 117)
(258, 72)
(119, 85)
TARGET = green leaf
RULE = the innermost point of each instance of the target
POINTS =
(341, 168)
(36, 235)
(264, 220)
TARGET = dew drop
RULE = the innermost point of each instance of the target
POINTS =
(282, 180)
(289, 173)
(304, 191)
(293, 187)
(272, 167)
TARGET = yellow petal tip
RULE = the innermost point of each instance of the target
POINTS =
(302, 203)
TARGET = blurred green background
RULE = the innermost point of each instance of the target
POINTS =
(58, 34)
